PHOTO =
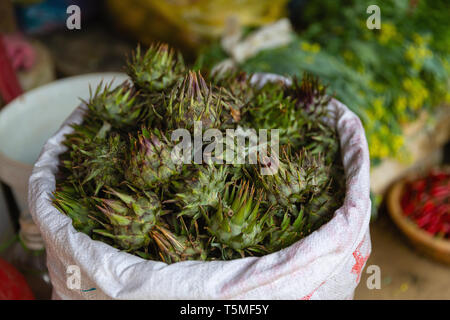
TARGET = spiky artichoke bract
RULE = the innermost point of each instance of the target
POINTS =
(177, 247)
(98, 162)
(118, 108)
(129, 218)
(202, 190)
(298, 178)
(120, 182)
(157, 69)
(150, 161)
(193, 100)
(237, 222)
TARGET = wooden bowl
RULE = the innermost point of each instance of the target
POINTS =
(438, 249)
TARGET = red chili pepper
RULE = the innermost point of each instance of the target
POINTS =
(422, 221)
(408, 209)
(419, 185)
(427, 202)
(428, 207)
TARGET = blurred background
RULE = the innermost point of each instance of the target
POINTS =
(395, 78)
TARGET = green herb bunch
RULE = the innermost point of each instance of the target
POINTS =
(388, 76)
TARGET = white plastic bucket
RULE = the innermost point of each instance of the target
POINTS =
(28, 121)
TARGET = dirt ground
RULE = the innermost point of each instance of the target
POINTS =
(405, 274)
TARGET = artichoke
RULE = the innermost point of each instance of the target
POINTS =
(156, 70)
(150, 160)
(237, 222)
(129, 218)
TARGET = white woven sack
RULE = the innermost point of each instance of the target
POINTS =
(325, 265)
